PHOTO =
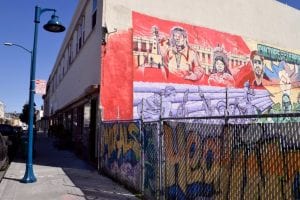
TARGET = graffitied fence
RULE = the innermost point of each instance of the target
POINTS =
(192, 158)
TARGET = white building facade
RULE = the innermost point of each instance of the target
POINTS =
(97, 72)
(2, 111)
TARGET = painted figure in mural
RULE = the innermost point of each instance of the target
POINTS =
(179, 58)
(182, 110)
(168, 95)
(158, 104)
(221, 75)
(291, 69)
(245, 106)
(149, 108)
(286, 107)
(284, 82)
(221, 107)
(258, 68)
(286, 103)
(206, 105)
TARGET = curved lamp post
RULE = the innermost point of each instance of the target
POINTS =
(17, 45)
(55, 26)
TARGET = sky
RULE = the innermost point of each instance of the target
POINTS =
(293, 3)
(18, 27)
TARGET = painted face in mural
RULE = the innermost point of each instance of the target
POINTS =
(257, 65)
(179, 40)
(220, 66)
(286, 103)
(231, 109)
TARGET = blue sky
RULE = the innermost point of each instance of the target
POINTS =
(293, 3)
(18, 27)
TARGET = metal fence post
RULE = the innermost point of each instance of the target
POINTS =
(141, 127)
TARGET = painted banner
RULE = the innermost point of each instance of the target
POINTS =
(40, 87)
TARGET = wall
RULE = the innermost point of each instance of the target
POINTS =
(84, 69)
(149, 86)
(264, 21)
(121, 153)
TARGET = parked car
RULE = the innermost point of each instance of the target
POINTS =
(12, 139)
(4, 160)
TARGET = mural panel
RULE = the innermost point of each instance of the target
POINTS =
(182, 70)
(254, 161)
(121, 152)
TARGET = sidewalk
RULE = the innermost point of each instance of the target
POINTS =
(60, 176)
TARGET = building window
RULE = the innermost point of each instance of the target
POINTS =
(70, 53)
(94, 19)
(94, 13)
(80, 33)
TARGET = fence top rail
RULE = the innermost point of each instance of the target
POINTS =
(121, 121)
(225, 117)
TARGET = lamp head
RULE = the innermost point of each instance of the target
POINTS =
(54, 25)
(7, 43)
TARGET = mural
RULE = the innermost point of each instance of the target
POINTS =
(258, 161)
(121, 152)
(181, 70)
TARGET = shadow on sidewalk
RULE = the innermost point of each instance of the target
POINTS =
(83, 176)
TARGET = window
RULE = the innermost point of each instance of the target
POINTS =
(70, 53)
(80, 33)
(94, 13)
(94, 18)
(94, 5)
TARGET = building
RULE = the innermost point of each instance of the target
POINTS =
(122, 60)
(2, 112)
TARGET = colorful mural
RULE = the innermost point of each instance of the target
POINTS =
(258, 161)
(121, 152)
(182, 70)
(182, 160)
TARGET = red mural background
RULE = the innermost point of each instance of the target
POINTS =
(117, 76)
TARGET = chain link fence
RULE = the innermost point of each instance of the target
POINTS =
(197, 158)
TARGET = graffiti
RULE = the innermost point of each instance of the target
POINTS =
(192, 163)
(121, 151)
(241, 162)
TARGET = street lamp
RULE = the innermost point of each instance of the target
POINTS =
(55, 26)
(17, 45)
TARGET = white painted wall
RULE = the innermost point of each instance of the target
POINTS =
(85, 69)
(267, 21)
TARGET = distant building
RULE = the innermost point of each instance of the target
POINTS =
(2, 110)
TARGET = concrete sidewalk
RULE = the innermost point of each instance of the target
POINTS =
(60, 176)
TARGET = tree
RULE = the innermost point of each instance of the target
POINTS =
(24, 116)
